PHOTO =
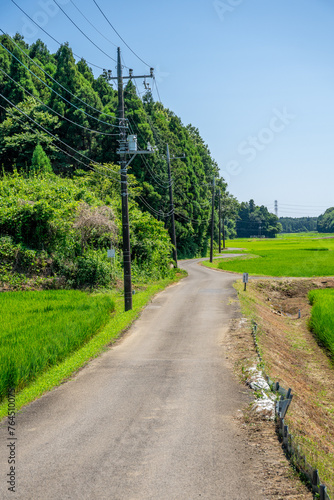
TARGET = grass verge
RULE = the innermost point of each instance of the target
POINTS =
(119, 322)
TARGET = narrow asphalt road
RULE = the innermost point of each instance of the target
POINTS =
(151, 419)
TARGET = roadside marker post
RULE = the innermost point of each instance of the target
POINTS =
(245, 280)
(111, 253)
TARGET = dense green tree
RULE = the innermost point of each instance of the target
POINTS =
(230, 208)
(19, 135)
(256, 221)
(86, 71)
(40, 161)
(298, 224)
(40, 51)
(325, 222)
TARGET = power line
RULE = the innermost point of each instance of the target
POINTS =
(51, 77)
(53, 111)
(156, 86)
(162, 183)
(132, 127)
(158, 213)
(54, 136)
(112, 43)
(195, 221)
(105, 17)
(84, 34)
(60, 149)
(298, 210)
(303, 206)
(60, 85)
(48, 34)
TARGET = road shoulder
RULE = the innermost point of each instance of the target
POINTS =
(269, 466)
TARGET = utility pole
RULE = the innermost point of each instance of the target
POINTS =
(220, 221)
(212, 219)
(124, 189)
(171, 207)
(124, 150)
(276, 208)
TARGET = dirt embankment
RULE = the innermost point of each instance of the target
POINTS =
(269, 466)
(293, 357)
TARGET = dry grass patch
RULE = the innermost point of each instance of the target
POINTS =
(293, 357)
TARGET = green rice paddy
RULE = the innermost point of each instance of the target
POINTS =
(322, 317)
(39, 329)
(294, 255)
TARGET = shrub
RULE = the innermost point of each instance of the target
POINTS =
(93, 270)
(40, 161)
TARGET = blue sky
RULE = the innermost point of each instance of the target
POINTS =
(256, 77)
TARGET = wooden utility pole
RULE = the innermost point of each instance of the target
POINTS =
(124, 189)
(124, 151)
(212, 219)
(171, 208)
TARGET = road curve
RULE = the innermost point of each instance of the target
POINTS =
(151, 419)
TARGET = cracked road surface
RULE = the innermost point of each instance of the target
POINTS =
(152, 418)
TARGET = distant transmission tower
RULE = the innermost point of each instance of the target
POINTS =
(276, 208)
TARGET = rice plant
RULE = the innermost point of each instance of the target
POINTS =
(322, 318)
(39, 329)
(294, 256)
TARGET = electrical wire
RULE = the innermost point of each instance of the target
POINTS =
(105, 17)
(48, 34)
(53, 111)
(57, 138)
(39, 133)
(46, 73)
(167, 185)
(301, 206)
(131, 125)
(112, 43)
(54, 91)
(156, 212)
(84, 34)
(296, 211)
(156, 86)
(196, 221)
(162, 183)
(57, 147)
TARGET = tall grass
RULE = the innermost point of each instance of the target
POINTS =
(39, 329)
(322, 318)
